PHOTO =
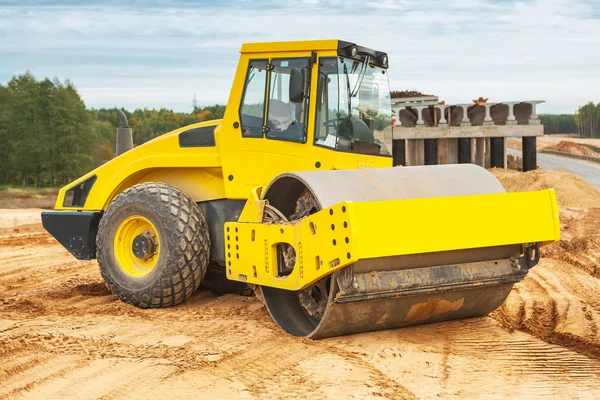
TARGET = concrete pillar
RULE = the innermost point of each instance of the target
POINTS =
(411, 152)
(431, 151)
(529, 153)
(533, 119)
(420, 152)
(480, 152)
(452, 151)
(464, 150)
(442, 122)
(488, 152)
(487, 121)
(442, 151)
(414, 152)
(419, 109)
(505, 150)
(511, 120)
(465, 119)
(399, 151)
(497, 152)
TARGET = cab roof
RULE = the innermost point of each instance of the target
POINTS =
(343, 48)
(300, 45)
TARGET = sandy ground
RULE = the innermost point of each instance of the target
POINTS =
(63, 335)
(23, 216)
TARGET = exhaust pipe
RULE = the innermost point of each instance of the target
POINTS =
(124, 134)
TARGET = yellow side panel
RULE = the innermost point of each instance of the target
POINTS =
(251, 249)
(387, 228)
(340, 235)
(195, 182)
(152, 160)
(259, 168)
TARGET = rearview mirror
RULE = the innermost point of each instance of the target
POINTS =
(296, 86)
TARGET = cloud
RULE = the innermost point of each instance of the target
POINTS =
(153, 53)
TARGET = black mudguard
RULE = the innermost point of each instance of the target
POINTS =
(75, 230)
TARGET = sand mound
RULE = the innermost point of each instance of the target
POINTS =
(571, 191)
(574, 148)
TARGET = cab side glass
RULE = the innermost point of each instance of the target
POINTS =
(326, 118)
(287, 116)
(252, 109)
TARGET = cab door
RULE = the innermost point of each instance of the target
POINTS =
(274, 129)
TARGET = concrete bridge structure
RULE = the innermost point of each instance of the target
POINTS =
(426, 132)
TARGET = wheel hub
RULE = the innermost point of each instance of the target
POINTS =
(143, 246)
(137, 246)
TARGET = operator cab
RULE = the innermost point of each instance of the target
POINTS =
(354, 111)
(353, 106)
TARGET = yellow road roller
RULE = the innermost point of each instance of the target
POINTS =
(293, 194)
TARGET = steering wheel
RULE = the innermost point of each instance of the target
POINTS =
(330, 122)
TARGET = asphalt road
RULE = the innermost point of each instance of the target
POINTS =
(584, 169)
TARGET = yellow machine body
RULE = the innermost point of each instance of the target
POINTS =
(343, 234)
(204, 172)
(332, 238)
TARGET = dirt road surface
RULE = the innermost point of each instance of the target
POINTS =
(63, 335)
(588, 170)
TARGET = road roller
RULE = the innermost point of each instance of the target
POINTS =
(293, 197)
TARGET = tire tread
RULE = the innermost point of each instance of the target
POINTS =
(187, 239)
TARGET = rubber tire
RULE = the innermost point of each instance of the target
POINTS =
(184, 252)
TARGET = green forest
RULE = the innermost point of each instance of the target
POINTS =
(585, 122)
(48, 137)
(558, 123)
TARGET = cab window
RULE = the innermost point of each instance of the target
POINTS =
(253, 101)
(287, 120)
(354, 111)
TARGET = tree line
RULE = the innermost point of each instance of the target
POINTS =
(49, 138)
(587, 119)
(585, 122)
(558, 123)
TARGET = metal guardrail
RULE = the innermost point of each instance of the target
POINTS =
(571, 155)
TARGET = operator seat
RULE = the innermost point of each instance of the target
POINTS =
(283, 120)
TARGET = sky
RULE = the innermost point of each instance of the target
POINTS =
(159, 53)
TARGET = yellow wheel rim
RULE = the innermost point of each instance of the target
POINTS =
(140, 230)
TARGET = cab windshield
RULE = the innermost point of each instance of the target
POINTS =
(354, 111)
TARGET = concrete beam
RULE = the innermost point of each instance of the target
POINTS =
(444, 132)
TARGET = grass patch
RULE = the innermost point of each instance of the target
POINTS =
(10, 191)
(591, 147)
(27, 197)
